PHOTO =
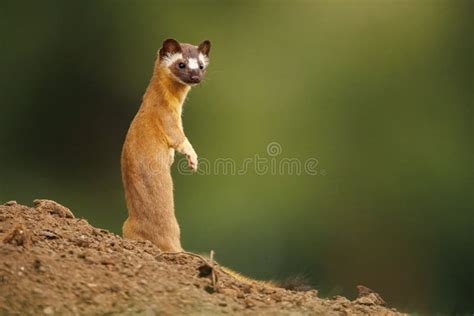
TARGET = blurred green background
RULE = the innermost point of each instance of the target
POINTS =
(380, 92)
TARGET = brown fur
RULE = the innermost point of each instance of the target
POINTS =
(147, 155)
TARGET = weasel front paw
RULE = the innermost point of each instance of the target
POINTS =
(187, 149)
(192, 160)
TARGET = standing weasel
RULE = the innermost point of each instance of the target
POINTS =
(148, 152)
(154, 135)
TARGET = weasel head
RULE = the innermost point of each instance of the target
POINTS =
(186, 63)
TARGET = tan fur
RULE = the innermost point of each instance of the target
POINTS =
(147, 155)
(244, 279)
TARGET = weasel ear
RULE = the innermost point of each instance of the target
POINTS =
(205, 47)
(170, 46)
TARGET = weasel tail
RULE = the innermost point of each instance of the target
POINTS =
(149, 148)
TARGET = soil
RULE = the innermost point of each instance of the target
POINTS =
(53, 263)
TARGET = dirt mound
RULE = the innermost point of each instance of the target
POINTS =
(53, 263)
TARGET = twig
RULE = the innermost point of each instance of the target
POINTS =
(213, 273)
(210, 263)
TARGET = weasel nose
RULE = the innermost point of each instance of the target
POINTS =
(195, 78)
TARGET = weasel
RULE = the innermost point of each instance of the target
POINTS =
(149, 148)
(155, 134)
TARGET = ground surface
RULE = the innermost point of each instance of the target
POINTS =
(52, 263)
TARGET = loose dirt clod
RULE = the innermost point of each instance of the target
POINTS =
(368, 297)
(53, 208)
(18, 236)
(53, 264)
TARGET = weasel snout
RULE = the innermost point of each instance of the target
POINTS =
(195, 79)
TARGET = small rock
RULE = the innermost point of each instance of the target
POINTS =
(341, 299)
(10, 203)
(37, 265)
(247, 289)
(249, 303)
(49, 234)
(337, 308)
(48, 310)
(277, 297)
(311, 293)
(365, 300)
(371, 294)
(268, 290)
(18, 236)
(363, 290)
(53, 208)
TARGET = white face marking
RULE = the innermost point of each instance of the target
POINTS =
(169, 59)
(193, 63)
(204, 60)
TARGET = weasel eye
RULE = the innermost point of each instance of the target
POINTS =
(201, 67)
(181, 65)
